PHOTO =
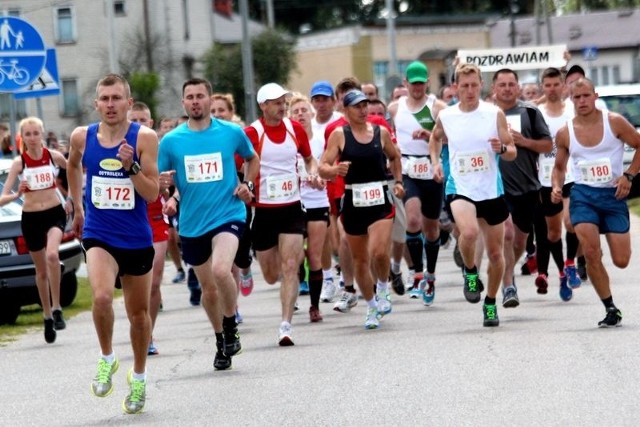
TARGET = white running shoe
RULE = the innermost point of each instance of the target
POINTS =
(384, 302)
(328, 290)
(284, 335)
(372, 320)
(346, 302)
(410, 279)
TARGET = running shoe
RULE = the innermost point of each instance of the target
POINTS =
(231, 340)
(490, 312)
(410, 280)
(542, 284)
(397, 283)
(49, 331)
(58, 320)
(471, 290)
(346, 302)
(510, 296)
(246, 284)
(152, 350)
(179, 277)
(328, 290)
(415, 292)
(612, 319)
(530, 265)
(315, 315)
(457, 256)
(384, 302)
(221, 362)
(134, 402)
(372, 321)
(194, 288)
(573, 279)
(565, 291)
(239, 318)
(102, 386)
(284, 335)
(428, 286)
(304, 288)
(582, 269)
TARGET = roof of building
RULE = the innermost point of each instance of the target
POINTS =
(577, 31)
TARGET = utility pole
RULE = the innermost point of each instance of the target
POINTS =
(391, 38)
(113, 53)
(247, 65)
(271, 20)
(513, 10)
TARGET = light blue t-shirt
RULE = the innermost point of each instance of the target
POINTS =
(205, 174)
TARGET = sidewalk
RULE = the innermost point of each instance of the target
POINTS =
(546, 365)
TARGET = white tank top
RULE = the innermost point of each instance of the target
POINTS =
(278, 180)
(546, 161)
(600, 165)
(406, 123)
(312, 198)
(474, 171)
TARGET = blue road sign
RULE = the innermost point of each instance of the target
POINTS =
(48, 83)
(22, 54)
(590, 53)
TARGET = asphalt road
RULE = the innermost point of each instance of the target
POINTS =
(546, 365)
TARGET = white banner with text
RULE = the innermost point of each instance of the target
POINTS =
(515, 58)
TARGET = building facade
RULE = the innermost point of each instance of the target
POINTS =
(178, 33)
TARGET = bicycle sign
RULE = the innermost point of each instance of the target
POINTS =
(22, 54)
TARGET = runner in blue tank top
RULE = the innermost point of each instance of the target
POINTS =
(120, 158)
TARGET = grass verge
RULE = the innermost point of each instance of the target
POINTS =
(31, 315)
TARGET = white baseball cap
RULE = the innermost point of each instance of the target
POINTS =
(270, 91)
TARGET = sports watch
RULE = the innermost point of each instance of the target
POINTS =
(134, 169)
(249, 185)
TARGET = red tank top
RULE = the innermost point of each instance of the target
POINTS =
(40, 174)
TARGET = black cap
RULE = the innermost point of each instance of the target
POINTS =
(576, 69)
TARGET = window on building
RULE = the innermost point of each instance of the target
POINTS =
(65, 25)
(13, 12)
(615, 70)
(593, 76)
(5, 107)
(605, 75)
(70, 98)
(119, 8)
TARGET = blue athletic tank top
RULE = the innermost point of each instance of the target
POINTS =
(114, 214)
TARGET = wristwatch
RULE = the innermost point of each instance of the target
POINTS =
(134, 169)
(503, 149)
(249, 185)
(628, 176)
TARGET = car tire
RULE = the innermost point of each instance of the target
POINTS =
(68, 289)
(9, 312)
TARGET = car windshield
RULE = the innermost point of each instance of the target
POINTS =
(627, 105)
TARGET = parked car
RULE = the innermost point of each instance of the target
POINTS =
(17, 272)
(625, 99)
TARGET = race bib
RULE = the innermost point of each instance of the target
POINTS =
(472, 162)
(515, 123)
(596, 171)
(546, 166)
(419, 168)
(368, 194)
(203, 168)
(282, 187)
(40, 177)
(112, 193)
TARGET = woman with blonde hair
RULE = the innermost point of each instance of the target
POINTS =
(43, 216)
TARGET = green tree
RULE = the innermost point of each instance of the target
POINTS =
(274, 60)
(143, 88)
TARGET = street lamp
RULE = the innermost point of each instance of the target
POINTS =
(514, 8)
